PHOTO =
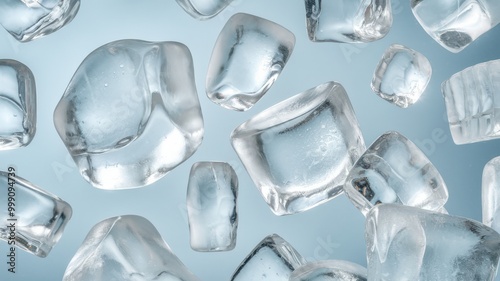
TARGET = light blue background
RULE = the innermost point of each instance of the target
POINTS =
(334, 230)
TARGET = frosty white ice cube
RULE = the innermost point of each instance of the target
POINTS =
(131, 113)
(349, 21)
(203, 9)
(17, 105)
(401, 76)
(329, 270)
(247, 58)
(299, 151)
(491, 193)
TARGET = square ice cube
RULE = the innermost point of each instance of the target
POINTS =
(491, 194)
(203, 9)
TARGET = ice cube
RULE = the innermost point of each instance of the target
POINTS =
(203, 9)
(131, 113)
(299, 151)
(211, 206)
(272, 259)
(32, 219)
(17, 105)
(127, 248)
(247, 58)
(408, 243)
(491, 194)
(401, 76)
(348, 21)
(394, 170)
(472, 98)
(329, 270)
(456, 24)
(27, 20)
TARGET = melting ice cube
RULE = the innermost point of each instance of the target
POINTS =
(39, 218)
(329, 270)
(131, 113)
(299, 151)
(491, 194)
(28, 20)
(203, 9)
(211, 205)
(17, 105)
(401, 76)
(248, 57)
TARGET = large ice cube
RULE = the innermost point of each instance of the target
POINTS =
(491, 194)
(272, 259)
(125, 248)
(408, 243)
(17, 105)
(394, 170)
(299, 151)
(472, 98)
(131, 113)
(401, 75)
(203, 9)
(329, 270)
(247, 58)
(456, 23)
(348, 21)
(31, 218)
(27, 19)
(211, 206)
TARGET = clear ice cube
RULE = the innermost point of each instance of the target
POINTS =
(329, 270)
(27, 20)
(127, 248)
(211, 206)
(38, 217)
(456, 23)
(203, 9)
(472, 98)
(272, 259)
(17, 105)
(348, 21)
(491, 194)
(408, 243)
(401, 76)
(247, 58)
(394, 170)
(299, 151)
(131, 113)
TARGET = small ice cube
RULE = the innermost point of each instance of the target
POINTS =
(491, 194)
(203, 9)
(17, 105)
(27, 20)
(247, 58)
(348, 21)
(272, 259)
(36, 221)
(394, 170)
(401, 76)
(330, 270)
(299, 151)
(408, 243)
(125, 248)
(472, 98)
(211, 206)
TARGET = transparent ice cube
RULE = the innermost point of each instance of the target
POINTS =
(272, 259)
(456, 23)
(211, 206)
(408, 243)
(127, 248)
(491, 194)
(17, 105)
(401, 76)
(348, 21)
(472, 98)
(247, 58)
(329, 270)
(299, 151)
(39, 217)
(27, 20)
(394, 170)
(131, 113)
(203, 9)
